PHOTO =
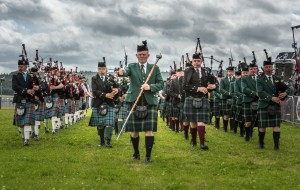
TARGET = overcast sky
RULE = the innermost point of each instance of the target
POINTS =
(81, 32)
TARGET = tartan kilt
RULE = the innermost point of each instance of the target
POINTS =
(175, 110)
(76, 105)
(168, 109)
(123, 112)
(248, 114)
(39, 114)
(181, 115)
(70, 106)
(161, 104)
(135, 124)
(52, 112)
(80, 103)
(61, 111)
(216, 109)
(239, 113)
(225, 108)
(196, 114)
(100, 120)
(27, 118)
(265, 120)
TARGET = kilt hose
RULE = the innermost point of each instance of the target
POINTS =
(69, 106)
(28, 117)
(249, 114)
(39, 114)
(239, 114)
(149, 123)
(265, 120)
(216, 109)
(225, 108)
(196, 114)
(103, 120)
(123, 112)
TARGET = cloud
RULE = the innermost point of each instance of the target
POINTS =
(79, 33)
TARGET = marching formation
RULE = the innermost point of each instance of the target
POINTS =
(59, 96)
(129, 99)
(244, 98)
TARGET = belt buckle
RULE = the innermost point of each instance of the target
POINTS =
(23, 101)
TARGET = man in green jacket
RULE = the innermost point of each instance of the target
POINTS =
(270, 91)
(226, 99)
(142, 121)
(249, 99)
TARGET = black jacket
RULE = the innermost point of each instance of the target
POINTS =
(191, 82)
(20, 86)
(100, 89)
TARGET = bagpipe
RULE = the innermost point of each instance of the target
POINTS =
(210, 78)
(279, 84)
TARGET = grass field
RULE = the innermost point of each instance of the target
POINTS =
(72, 160)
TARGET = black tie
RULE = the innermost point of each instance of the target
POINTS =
(198, 72)
(270, 79)
(102, 78)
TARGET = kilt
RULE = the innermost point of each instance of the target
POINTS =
(161, 104)
(265, 120)
(76, 106)
(100, 120)
(55, 108)
(196, 114)
(135, 124)
(225, 108)
(123, 112)
(70, 106)
(168, 109)
(61, 111)
(175, 110)
(181, 115)
(80, 103)
(239, 113)
(39, 114)
(50, 112)
(27, 118)
(248, 114)
(216, 109)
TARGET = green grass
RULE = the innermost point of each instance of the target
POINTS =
(72, 160)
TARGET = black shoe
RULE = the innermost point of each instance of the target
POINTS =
(276, 148)
(53, 132)
(148, 159)
(36, 138)
(101, 144)
(26, 142)
(47, 131)
(203, 147)
(247, 139)
(261, 146)
(108, 145)
(136, 156)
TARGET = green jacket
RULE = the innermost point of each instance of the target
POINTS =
(266, 90)
(224, 88)
(249, 89)
(232, 92)
(238, 91)
(156, 83)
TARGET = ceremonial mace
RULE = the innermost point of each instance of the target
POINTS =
(158, 57)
